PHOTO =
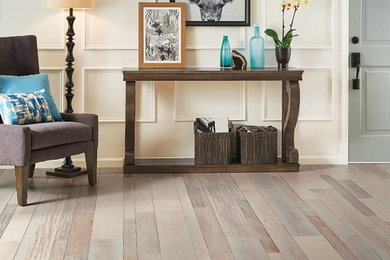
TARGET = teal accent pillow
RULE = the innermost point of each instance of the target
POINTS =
(22, 109)
(30, 84)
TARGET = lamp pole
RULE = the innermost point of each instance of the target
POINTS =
(68, 170)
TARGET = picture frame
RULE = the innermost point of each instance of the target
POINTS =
(162, 35)
(227, 13)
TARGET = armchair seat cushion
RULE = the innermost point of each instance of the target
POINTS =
(46, 135)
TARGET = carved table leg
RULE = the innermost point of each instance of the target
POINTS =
(290, 111)
(130, 123)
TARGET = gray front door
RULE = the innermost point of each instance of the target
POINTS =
(369, 109)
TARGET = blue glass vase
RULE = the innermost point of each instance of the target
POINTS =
(257, 50)
(226, 53)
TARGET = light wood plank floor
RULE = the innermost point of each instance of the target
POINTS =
(323, 212)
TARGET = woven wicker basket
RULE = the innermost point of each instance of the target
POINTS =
(257, 147)
(213, 148)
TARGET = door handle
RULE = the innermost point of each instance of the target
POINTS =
(355, 63)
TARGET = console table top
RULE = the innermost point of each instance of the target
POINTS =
(211, 74)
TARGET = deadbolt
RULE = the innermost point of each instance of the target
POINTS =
(355, 40)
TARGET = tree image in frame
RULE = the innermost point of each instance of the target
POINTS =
(162, 34)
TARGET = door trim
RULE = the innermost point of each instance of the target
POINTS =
(344, 81)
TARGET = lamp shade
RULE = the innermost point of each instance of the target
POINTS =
(76, 4)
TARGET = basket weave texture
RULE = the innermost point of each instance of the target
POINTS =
(213, 148)
(258, 147)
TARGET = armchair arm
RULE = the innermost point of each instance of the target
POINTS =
(88, 119)
(15, 145)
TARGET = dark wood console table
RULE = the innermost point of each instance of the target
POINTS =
(290, 109)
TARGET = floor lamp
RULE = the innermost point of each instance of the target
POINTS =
(68, 170)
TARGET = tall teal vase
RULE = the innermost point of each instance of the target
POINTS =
(257, 50)
(226, 53)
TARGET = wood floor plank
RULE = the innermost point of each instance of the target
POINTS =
(129, 226)
(275, 256)
(130, 239)
(195, 191)
(258, 228)
(148, 247)
(261, 207)
(289, 214)
(5, 217)
(381, 208)
(197, 238)
(80, 235)
(58, 250)
(354, 189)
(298, 200)
(224, 197)
(348, 196)
(108, 218)
(86, 199)
(344, 231)
(45, 223)
(298, 185)
(128, 197)
(331, 237)
(216, 242)
(174, 237)
(7, 188)
(282, 239)
(103, 249)
(214, 237)
(147, 240)
(371, 235)
(242, 181)
(315, 246)
(376, 170)
(8, 249)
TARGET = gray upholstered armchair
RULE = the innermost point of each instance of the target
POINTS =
(24, 145)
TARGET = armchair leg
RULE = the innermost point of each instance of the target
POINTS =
(21, 174)
(31, 170)
(91, 158)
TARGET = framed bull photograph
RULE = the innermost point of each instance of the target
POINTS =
(162, 35)
(217, 12)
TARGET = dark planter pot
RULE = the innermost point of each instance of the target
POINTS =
(283, 56)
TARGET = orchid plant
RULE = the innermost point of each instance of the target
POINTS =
(286, 39)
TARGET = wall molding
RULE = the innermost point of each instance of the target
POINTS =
(241, 117)
(331, 31)
(153, 117)
(330, 117)
(61, 46)
(61, 72)
(134, 47)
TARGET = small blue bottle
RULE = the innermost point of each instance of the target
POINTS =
(257, 50)
(226, 53)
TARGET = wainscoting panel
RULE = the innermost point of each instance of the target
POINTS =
(316, 97)
(210, 99)
(104, 94)
(56, 80)
(24, 17)
(111, 145)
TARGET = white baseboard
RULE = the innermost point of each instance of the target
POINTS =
(118, 162)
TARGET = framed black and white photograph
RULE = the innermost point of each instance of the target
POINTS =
(217, 12)
(162, 35)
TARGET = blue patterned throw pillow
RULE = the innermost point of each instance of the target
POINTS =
(30, 84)
(22, 109)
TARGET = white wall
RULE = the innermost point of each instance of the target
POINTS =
(106, 40)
